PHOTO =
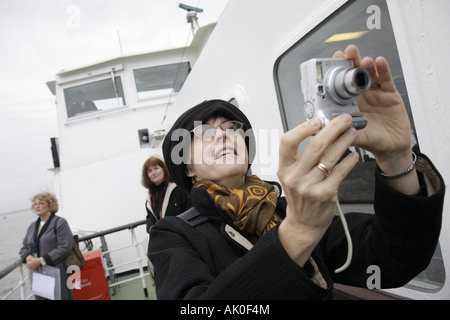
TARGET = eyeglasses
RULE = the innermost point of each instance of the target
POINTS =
(39, 204)
(206, 131)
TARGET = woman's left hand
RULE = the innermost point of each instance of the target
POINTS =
(388, 131)
(33, 263)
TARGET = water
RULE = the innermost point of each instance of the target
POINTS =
(13, 227)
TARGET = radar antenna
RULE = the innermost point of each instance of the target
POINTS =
(191, 16)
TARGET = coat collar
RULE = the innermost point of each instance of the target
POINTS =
(170, 187)
(44, 228)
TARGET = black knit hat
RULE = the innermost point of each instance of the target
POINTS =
(174, 144)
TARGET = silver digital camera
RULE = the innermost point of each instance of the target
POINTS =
(331, 87)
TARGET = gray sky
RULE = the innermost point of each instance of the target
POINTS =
(41, 37)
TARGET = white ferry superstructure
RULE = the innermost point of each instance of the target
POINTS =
(251, 57)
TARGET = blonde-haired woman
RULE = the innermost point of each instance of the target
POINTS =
(48, 241)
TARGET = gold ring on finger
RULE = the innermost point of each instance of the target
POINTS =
(324, 169)
(376, 86)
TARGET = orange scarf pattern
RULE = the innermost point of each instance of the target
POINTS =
(252, 207)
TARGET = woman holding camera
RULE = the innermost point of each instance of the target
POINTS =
(288, 248)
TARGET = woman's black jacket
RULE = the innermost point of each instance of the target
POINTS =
(175, 202)
(399, 239)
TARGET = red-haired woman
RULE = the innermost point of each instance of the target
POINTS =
(164, 197)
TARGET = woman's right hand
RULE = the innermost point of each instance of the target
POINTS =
(311, 195)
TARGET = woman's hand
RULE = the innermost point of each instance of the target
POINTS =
(310, 193)
(33, 263)
(388, 131)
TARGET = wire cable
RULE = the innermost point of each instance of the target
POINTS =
(349, 241)
(178, 71)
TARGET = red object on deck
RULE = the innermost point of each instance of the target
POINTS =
(94, 285)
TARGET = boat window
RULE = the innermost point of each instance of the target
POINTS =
(94, 96)
(153, 82)
(369, 27)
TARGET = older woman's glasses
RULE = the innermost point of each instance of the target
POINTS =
(206, 131)
(41, 203)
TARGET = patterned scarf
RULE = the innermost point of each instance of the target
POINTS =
(252, 207)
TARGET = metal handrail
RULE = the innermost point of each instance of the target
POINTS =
(131, 226)
(112, 230)
(10, 268)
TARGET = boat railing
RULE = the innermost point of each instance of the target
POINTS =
(17, 265)
(109, 268)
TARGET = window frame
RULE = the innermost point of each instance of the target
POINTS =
(163, 91)
(415, 284)
(116, 86)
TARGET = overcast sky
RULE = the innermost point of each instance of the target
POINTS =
(38, 38)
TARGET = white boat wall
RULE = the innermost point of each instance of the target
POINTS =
(252, 58)
(100, 152)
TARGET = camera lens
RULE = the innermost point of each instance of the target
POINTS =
(361, 80)
(345, 84)
(355, 81)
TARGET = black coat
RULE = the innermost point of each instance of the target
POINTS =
(399, 238)
(175, 202)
